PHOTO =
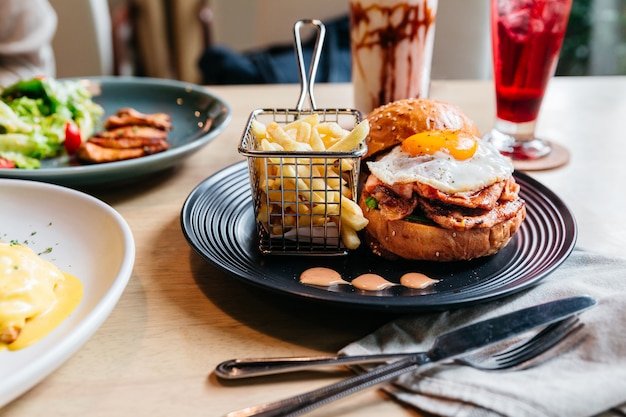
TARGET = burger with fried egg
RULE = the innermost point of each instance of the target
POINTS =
(435, 190)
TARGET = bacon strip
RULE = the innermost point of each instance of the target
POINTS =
(461, 211)
(451, 217)
(487, 198)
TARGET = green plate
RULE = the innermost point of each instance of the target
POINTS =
(197, 118)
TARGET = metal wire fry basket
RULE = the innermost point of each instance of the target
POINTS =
(297, 195)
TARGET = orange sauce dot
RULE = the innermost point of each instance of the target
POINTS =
(323, 277)
(371, 282)
(417, 280)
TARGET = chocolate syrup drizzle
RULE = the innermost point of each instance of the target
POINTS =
(389, 38)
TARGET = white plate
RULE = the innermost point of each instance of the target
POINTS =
(88, 239)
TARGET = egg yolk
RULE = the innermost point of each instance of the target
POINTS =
(459, 144)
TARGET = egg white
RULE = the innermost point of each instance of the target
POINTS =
(442, 171)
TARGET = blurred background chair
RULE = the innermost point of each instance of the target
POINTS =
(83, 44)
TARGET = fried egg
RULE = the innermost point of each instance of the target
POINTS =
(450, 161)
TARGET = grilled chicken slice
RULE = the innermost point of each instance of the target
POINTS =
(94, 153)
(129, 134)
(132, 132)
(126, 142)
(131, 117)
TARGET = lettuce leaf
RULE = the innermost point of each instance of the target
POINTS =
(34, 113)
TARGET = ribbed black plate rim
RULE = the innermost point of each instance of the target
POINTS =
(218, 222)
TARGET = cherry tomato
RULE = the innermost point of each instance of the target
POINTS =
(72, 138)
(5, 163)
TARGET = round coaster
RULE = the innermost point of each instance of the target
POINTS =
(558, 157)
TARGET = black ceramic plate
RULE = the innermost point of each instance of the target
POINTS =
(218, 222)
(189, 106)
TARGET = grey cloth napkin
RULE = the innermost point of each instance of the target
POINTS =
(588, 379)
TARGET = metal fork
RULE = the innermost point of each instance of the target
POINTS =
(520, 356)
(525, 354)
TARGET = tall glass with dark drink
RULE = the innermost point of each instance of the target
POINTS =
(527, 36)
(392, 48)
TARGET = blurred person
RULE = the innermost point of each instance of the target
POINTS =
(26, 31)
(277, 64)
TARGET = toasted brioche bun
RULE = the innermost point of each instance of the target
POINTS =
(423, 242)
(389, 126)
(391, 123)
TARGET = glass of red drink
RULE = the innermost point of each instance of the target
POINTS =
(526, 38)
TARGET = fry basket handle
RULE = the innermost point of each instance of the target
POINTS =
(306, 83)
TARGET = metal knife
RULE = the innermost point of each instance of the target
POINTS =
(461, 341)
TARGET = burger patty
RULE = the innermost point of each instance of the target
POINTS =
(461, 211)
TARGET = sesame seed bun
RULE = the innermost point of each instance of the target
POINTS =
(391, 123)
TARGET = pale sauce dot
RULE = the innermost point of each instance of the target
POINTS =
(323, 277)
(371, 282)
(417, 280)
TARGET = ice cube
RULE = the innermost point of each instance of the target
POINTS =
(521, 24)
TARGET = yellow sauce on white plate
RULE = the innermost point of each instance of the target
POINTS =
(35, 296)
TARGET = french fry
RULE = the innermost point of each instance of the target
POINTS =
(305, 191)
(266, 145)
(312, 119)
(277, 230)
(303, 208)
(289, 221)
(326, 209)
(315, 140)
(303, 133)
(331, 129)
(352, 139)
(350, 238)
(262, 217)
(352, 215)
(279, 135)
(258, 129)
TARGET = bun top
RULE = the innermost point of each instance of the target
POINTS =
(391, 123)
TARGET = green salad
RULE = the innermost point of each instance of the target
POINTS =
(43, 118)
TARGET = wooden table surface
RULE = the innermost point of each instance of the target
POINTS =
(180, 316)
